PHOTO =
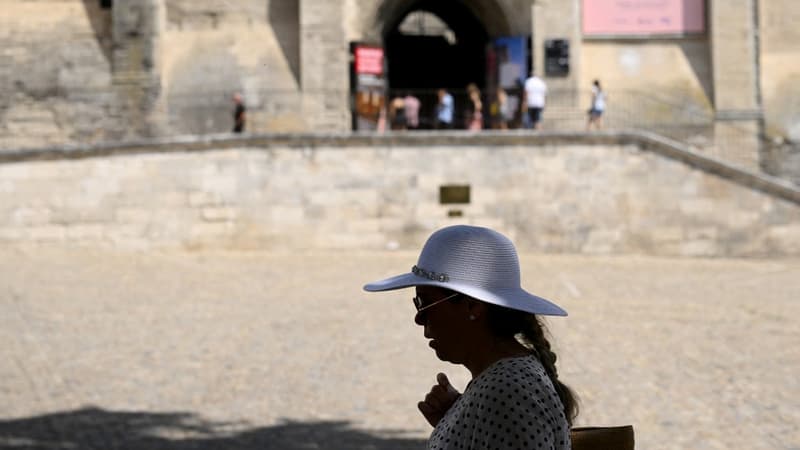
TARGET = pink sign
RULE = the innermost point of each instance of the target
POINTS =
(620, 17)
(369, 60)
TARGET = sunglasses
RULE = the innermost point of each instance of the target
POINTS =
(421, 306)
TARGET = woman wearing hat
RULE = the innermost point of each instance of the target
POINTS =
(475, 313)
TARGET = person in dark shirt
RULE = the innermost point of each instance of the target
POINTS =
(475, 313)
(239, 113)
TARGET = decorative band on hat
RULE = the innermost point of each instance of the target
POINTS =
(420, 272)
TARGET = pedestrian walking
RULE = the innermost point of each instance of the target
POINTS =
(475, 313)
(535, 94)
(475, 110)
(397, 114)
(444, 110)
(502, 110)
(598, 106)
(239, 113)
(412, 105)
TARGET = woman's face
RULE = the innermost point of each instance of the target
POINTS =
(445, 324)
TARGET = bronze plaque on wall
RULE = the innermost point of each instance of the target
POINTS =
(453, 194)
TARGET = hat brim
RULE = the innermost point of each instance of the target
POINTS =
(518, 299)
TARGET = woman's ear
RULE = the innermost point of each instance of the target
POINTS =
(475, 309)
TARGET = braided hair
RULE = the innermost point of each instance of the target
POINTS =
(530, 332)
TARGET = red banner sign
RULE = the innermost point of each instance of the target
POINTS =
(369, 60)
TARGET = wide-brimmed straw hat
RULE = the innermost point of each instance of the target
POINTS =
(475, 261)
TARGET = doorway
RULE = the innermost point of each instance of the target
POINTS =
(434, 45)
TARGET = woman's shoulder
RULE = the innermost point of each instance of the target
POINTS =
(512, 394)
(523, 372)
(517, 364)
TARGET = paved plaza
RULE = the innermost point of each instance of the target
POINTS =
(107, 349)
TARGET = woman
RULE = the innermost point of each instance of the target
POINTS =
(475, 112)
(474, 311)
(504, 112)
(398, 113)
(598, 105)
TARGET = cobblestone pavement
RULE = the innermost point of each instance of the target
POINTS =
(206, 350)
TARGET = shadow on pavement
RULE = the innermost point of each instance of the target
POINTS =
(94, 428)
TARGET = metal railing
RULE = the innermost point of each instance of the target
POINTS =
(690, 120)
(566, 110)
(208, 111)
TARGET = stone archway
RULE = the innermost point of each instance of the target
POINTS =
(426, 61)
(498, 17)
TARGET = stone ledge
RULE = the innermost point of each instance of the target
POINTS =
(645, 140)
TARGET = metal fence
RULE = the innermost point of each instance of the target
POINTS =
(688, 120)
(566, 110)
(207, 111)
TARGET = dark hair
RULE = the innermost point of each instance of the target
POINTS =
(597, 83)
(506, 322)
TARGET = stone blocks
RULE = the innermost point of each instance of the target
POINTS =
(603, 198)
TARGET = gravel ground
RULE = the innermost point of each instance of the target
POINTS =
(204, 350)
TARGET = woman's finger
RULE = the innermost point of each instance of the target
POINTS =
(433, 401)
(430, 415)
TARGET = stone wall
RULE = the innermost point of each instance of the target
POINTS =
(782, 159)
(74, 72)
(214, 49)
(607, 194)
(325, 63)
(677, 71)
(368, 20)
(137, 65)
(659, 83)
(780, 70)
(55, 74)
(554, 19)
(780, 85)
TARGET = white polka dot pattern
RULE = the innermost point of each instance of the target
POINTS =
(511, 405)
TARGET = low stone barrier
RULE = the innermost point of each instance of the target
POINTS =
(624, 192)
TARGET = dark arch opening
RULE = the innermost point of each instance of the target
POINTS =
(424, 63)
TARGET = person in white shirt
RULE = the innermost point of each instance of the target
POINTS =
(598, 105)
(535, 93)
(444, 111)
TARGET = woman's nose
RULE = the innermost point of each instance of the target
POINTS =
(419, 318)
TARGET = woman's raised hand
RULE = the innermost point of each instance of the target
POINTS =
(439, 400)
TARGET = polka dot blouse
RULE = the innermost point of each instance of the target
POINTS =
(511, 405)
